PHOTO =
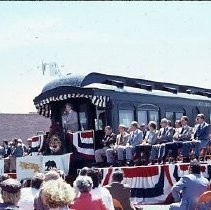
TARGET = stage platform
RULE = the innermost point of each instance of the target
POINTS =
(152, 184)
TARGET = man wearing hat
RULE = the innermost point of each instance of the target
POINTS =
(11, 191)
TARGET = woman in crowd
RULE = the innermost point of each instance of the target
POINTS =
(26, 201)
(11, 191)
(86, 201)
(57, 194)
(98, 190)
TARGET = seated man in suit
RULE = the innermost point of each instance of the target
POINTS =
(182, 138)
(135, 138)
(172, 147)
(165, 135)
(121, 141)
(188, 189)
(201, 134)
(143, 150)
(119, 191)
(108, 141)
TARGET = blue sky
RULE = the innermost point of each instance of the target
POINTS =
(163, 41)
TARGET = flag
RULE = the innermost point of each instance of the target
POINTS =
(83, 141)
(35, 144)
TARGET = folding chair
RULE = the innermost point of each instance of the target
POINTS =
(203, 199)
(117, 204)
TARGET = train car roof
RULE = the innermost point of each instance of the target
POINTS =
(127, 89)
(68, 80)
(96, 87)
(128, 84)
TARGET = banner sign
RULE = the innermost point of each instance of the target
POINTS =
(27, 166)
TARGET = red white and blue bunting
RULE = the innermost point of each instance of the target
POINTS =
(83, 141)
(152, 184)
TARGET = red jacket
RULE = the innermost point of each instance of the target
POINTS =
(86, 202)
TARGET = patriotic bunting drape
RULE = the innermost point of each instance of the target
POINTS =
(152, 184)
(83, 141)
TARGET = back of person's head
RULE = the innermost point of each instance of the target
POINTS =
(118, 175)
(83, 171)
(95, 175)
(84, 183)
(37, 180)
(3, 177)
(61, 174)
(194, 167)
(57, 193)
(11, 191)
(52, 175)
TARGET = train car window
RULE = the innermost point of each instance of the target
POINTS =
(100, 121)
(170, 116)
(178, 115)
(142, 116)
(83, 118)
(173, 116)
(126, 117)
(148, 112)
(154, 116)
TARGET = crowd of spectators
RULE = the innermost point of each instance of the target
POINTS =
(50, 191)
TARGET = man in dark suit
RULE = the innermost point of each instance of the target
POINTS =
(108, 141)
(201, 134)
(183, 138)
(164, 136)
(121, 141)
(135, 138)
(7, 149)
(119, 191)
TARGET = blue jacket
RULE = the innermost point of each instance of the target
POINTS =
(136, 137)
(202, 133)
(191, 186)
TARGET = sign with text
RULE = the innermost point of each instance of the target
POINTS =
(27, 166)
